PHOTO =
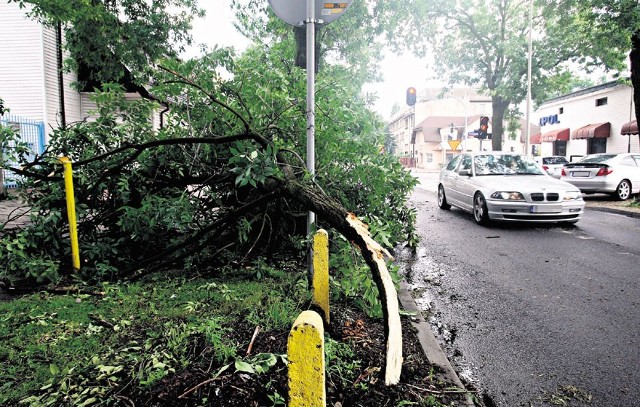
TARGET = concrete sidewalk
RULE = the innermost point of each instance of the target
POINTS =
(13, 212)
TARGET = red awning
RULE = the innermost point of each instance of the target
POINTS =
(599, 130)
(555, 135)
(629, 128)
(535, 139)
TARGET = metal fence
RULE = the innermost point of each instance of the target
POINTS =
(31, 132)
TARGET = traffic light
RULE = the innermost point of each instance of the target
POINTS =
(411, 96)
(484, 127)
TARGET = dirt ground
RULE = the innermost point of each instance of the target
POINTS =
(362, 385)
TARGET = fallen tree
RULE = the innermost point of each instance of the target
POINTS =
(221, 183)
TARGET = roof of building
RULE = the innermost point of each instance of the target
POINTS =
(585, 91)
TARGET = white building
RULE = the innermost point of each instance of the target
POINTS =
(40, 95)
(593, 120)
(30, 83)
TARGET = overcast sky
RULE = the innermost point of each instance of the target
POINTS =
(399, 72)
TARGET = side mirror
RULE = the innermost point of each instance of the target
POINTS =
(465, 172)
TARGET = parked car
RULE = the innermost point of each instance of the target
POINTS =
(507, 187)
(615, 174)
(553, 164)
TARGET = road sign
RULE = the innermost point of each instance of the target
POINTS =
(294, 12)
(454, 144)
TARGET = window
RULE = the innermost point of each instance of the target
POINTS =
(466, 162)
(596, 145)
(601, 102)
(408, 121)
(429, 157)
(453, 163)
(560, 147)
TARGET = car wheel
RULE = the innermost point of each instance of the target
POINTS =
(623, 191)
(480, 211)
(442, 199)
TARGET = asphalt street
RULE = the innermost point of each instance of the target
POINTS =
(533, 315)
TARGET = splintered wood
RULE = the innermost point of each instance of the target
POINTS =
(389, 297)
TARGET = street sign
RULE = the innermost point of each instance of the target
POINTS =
(454, 144)
(294, 12)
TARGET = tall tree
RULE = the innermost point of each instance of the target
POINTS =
(613, 36)
(352, 40)
(484, 44)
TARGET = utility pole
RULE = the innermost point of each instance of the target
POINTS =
(528, 117)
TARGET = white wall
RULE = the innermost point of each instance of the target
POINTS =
(21, 63)
(29, 70)
(581, 110)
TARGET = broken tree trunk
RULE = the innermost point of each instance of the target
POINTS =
(357, 232)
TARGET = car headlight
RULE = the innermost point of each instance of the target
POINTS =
(572, 195)
(508, 195)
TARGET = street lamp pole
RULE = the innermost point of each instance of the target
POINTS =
(527, 133)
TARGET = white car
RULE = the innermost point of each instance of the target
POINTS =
(553, 164)
(507, 187)
(615, 174)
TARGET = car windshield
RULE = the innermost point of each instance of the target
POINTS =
(505, 164)
(600, 158)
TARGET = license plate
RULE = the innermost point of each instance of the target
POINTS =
(580, 173)
(545, 209)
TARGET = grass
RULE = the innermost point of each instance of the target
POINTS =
(75, 349)
(173, 341)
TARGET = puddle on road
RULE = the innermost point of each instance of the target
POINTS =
(424, 277)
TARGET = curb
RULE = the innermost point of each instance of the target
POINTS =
(631, 214)
(434, 353)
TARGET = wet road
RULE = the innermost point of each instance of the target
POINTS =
(533, 315)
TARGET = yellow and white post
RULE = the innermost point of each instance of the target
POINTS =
(320, 280)
(71, 211)
(305, 349)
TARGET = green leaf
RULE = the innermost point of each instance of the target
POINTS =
(54, 369)
(242, 366)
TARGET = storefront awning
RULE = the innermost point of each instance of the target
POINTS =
(556, 135)
(629, 128)
(535, 139)
(597, 130)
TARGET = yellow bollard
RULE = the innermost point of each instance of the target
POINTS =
(71, 212)
(321, 271)
(305, 349)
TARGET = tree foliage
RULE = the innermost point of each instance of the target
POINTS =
(110, 39)
(485, 44)
(612, 38)
(205, 190)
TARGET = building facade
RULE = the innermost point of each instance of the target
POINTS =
(428, 134)
(598, 119)
(33, 84)
(39, 94)
(30, 65)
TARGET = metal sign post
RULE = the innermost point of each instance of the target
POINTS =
(298, 13)
(311, 101)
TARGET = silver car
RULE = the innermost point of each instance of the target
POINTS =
(615, 174)
(507, 187)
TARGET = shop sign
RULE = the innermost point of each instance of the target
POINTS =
(552, 119)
